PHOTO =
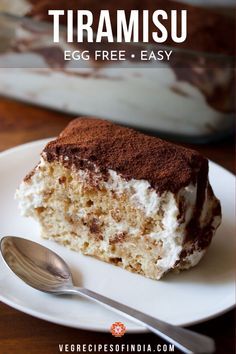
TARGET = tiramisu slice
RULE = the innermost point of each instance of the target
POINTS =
(124, 197)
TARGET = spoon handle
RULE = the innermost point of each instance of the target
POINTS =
(187, 341)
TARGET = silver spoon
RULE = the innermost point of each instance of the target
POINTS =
(44, 270)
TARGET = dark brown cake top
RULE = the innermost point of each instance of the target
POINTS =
(130, 153)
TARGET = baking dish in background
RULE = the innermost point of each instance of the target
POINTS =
(191, 99)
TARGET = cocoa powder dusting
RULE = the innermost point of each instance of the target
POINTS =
(89, 142)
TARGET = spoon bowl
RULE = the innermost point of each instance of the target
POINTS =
(35, 264)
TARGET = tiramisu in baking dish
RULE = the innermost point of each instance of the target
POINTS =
(126, 198)
(191, 96)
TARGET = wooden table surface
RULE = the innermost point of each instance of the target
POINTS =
(23, 334)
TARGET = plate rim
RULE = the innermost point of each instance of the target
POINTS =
(63, 322)
(139, 329)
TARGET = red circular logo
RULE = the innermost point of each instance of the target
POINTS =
(118, 329)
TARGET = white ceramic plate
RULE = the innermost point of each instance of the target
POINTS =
(182, 299)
